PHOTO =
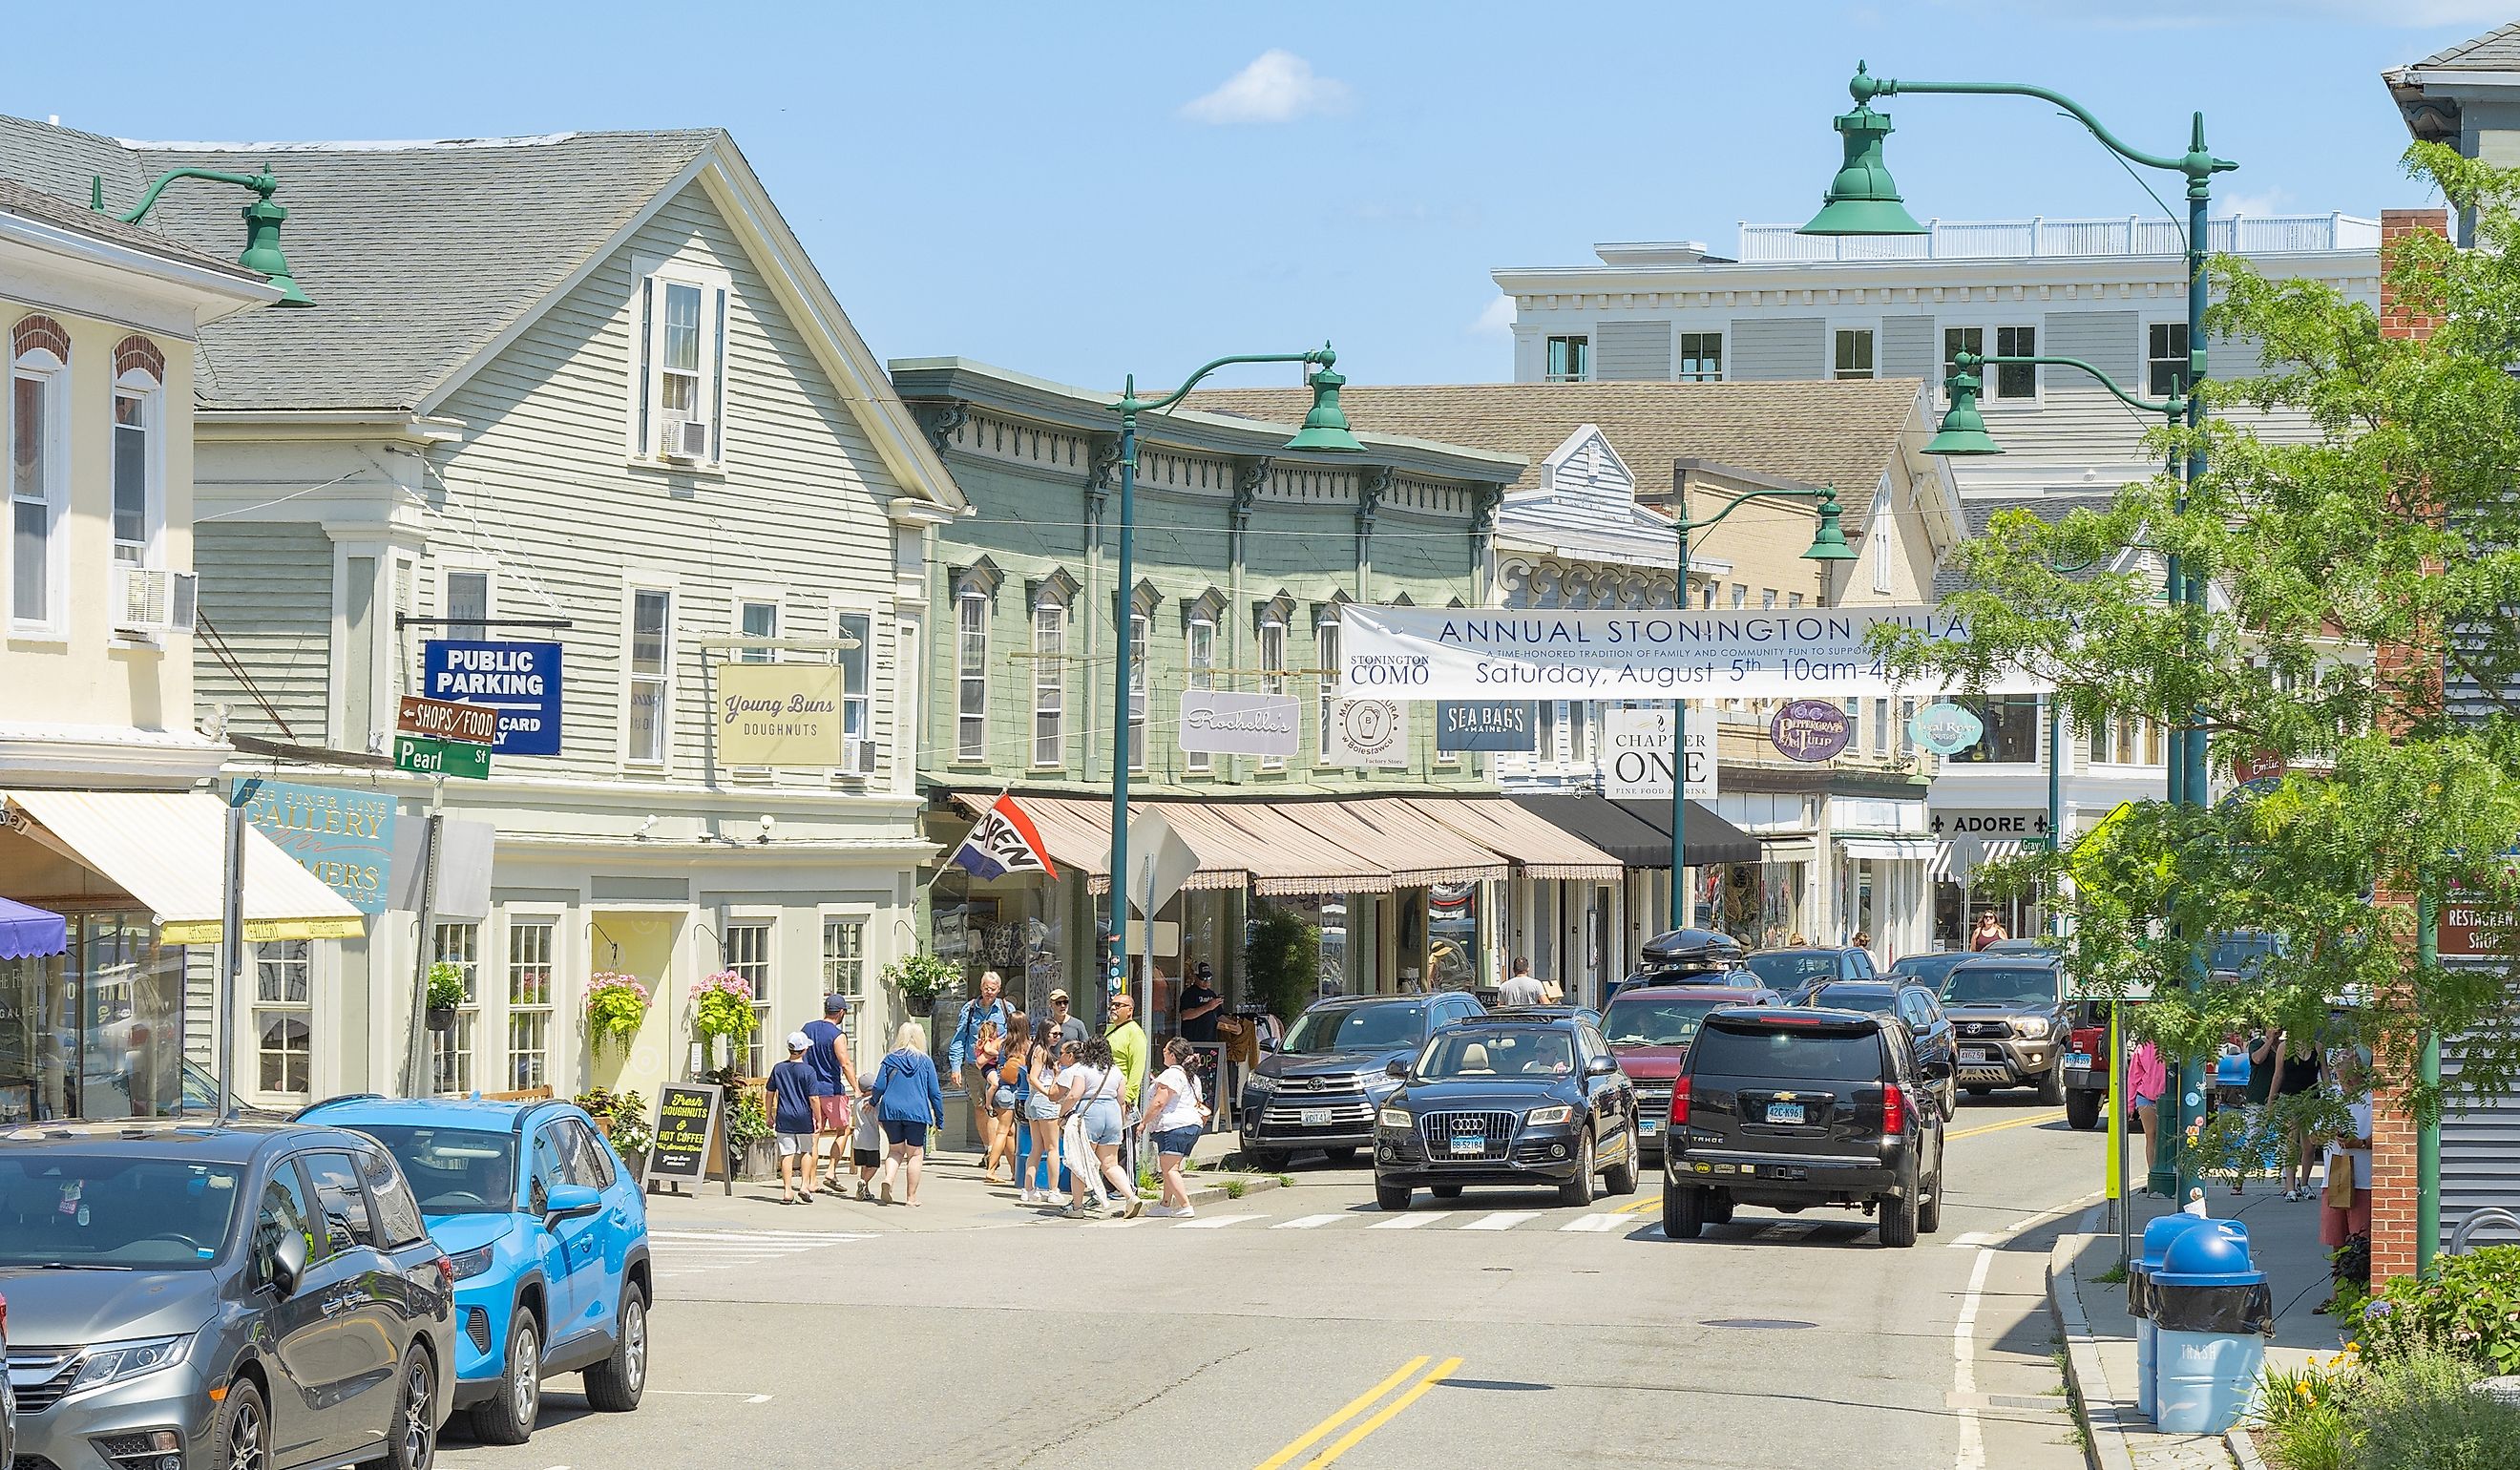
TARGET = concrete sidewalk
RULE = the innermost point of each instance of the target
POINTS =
(2099, 1332)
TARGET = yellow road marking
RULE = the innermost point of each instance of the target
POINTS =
(1646, 1203)
(1997, 1128)
(1355, 1406)
(1383, 1415)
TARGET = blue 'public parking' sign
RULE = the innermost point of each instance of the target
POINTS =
(520, 680)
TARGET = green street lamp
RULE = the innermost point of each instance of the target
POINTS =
(1325, 431)
(1828, 544)
(262, 219)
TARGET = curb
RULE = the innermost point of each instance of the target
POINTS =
(2243, 1448)
(1209, 1194)
(2104, 1445)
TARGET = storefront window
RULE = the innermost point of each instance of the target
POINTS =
(282, 1015)
(2011, 730)
(98, 1031)
(1452, 936)
(748, 954)
(451, 1049)
(529, 1002)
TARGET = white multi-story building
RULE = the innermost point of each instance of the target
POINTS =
(2111, 293)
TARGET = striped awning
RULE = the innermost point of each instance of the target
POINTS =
(1950, 867)
(169, 850)
(1539, 847)
(1077, 831)
(1388, 835)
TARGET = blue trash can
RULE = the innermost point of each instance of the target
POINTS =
(2157, 1236)
(2211, 1312)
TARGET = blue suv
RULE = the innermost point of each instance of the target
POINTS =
(549, 1235)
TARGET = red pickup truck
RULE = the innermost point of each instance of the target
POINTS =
(1649, 1028)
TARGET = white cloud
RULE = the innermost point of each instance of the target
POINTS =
(1278, 86)
(1496, 319)
(2261, 203)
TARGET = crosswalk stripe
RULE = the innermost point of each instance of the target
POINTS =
(764, 1237)
(1503, 1219)
(1306, 1222)
(1595, 1223)
(1115, 1224)
(1216, 1221)
(1411, 1221)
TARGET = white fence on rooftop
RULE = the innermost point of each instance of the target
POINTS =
(2027, 239)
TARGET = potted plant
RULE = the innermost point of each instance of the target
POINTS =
(722, 1006)
(615, 1004)
(446, 994)
(748, 1135)
(623, 1117)
(917, 977)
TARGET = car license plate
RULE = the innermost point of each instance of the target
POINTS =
(1784, 1112)
(1315, 1117)
(2078, 1059)
(1975, 1055)
(1469, 1143)
(1646, 1127)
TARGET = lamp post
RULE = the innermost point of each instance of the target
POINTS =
(263, 220)
(1828, 544)
(1325, 429)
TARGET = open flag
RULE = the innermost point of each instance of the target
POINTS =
(1002, 841)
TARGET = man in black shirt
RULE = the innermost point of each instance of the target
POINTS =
(1200, 1005)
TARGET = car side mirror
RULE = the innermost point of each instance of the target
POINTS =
(571, 1202)
(1601, 1066)
(1396, 1067)
(1268, 1044)
(287, 1264)
(1937, 1070)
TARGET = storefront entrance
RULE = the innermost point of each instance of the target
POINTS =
(96, 1032)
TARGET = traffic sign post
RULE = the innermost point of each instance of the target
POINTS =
(433, 757)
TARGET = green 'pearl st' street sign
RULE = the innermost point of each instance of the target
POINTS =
(442, 757)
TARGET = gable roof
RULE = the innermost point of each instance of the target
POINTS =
(2498, 49)
(1841, 433)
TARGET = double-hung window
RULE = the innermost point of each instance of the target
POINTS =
(1049, 683)
(1701, 357)
(2015, 379)
(2165, 353)
(1959, 340)
(651, 676)
(530, 1001)
(38, 475)
(1854, 353)
(972, 676)
(1272, 675)
(1326, 652)
(139, 504)
(757, 619)
(467, 604)
(284, 1015)
(857, 700)
(1138, 626)
(679, 414)
(451, 1049)
(1199, 652)
(748, 956)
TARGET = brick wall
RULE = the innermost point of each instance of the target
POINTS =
(2393, 1129)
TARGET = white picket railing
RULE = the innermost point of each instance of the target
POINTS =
(2027, 239)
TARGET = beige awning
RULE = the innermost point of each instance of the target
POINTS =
(1077, 831)
(1283, 855)
(1388, 835)
(169, 850)
(1541, 848)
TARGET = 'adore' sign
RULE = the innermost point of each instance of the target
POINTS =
(1809, 730)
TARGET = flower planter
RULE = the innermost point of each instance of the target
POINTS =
(760, 1160)
(441, 1020)
(922, 1006)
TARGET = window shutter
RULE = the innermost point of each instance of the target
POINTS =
(646, 346)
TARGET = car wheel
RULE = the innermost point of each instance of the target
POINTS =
(2082, 1110)
(507, 1417)
(1445, 1192)
(1579, 1189)
(1392, 1197)
(1683, 1212)
(1265, 1160)
(1623, 1174)
(1338, 1158)
(615, 1384)
(243, 1436)
(2052, 1088)
(410, 1441)
(1899, 1221)
(1929, 1210)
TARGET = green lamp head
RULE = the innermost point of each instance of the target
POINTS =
(1828, 542)
(263, 220)
(1963, 430)
(1326, 427)
(1862, 199)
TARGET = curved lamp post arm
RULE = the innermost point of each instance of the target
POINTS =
(1130, 403)
(261, 183)
(2193, 163)
(1824, 494)
(2175, 406)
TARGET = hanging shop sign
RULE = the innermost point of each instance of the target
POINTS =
(1635, 755)
(2002, 823)
(344, 837)
(1504, 725)
(687, 1119)
(1944, 727)
(1366, 732)
(1219, 723)
(520, 680)
(446, 719)
(1482, 653)
(779, 715)
(1810, 730)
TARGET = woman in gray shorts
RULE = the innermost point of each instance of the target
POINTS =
(1092, 1088)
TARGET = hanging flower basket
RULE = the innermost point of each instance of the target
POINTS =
(721, 1007)
(615, 1005)
(917, 977)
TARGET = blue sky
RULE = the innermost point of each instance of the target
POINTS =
(1082, 190)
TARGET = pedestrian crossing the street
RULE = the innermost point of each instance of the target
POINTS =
(692, 1252)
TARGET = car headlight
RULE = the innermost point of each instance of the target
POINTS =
(471, 1262)
(116, 1362)
(2030, 1026)
(1397, 1117)
(1542, 1117)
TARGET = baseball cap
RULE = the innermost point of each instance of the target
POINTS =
(797, 1041)
(833, 1006)
(1058, 995)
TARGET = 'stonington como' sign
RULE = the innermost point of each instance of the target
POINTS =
(1484, 653)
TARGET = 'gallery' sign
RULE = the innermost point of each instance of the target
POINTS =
(342, 836)
(1490, 653)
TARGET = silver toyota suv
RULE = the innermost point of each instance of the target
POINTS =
(2010, 1021)
(245, 1294)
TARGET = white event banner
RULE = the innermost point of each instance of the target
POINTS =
(1635, 755)
(1491, 654)
(1223, 723)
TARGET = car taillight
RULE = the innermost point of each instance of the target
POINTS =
(4, 1319)
(2087, 1040)
(446, 1273)
(1679, 1101)
(1894, 1110)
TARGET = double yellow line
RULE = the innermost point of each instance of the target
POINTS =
(2027, 1120)
(1410, 1370)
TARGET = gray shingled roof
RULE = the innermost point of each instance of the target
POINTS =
(1841, 433)
(416, 255)
(45, 209)
(2498, 49)
(1981, 513)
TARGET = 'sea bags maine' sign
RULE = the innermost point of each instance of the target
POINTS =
(1506, 724)
(1508, 653)
(1219, 723)
(779, 714)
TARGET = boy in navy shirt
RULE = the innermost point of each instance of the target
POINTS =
(793, 1085)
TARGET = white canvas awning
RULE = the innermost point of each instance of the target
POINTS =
(169, 850)
(1889, 849)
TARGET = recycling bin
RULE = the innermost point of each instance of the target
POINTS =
(2211, 1312)
(2158, 1233)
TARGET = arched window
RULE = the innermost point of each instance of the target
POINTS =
(139, 478)
(39, 354)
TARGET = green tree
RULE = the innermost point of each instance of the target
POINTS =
(2383, 516)
(1282, 960)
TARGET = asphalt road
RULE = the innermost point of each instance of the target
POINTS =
(1302, 1327)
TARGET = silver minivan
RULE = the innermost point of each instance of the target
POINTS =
(260, 1296)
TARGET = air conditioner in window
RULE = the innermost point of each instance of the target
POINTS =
(685, 439)
(153, 599)
(853, 756)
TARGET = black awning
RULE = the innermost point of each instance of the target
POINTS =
(1639, 832)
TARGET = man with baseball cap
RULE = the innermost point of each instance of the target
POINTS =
(835, 1087)
(1064, 1021)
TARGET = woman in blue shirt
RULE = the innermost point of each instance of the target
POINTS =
(908, 1102)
